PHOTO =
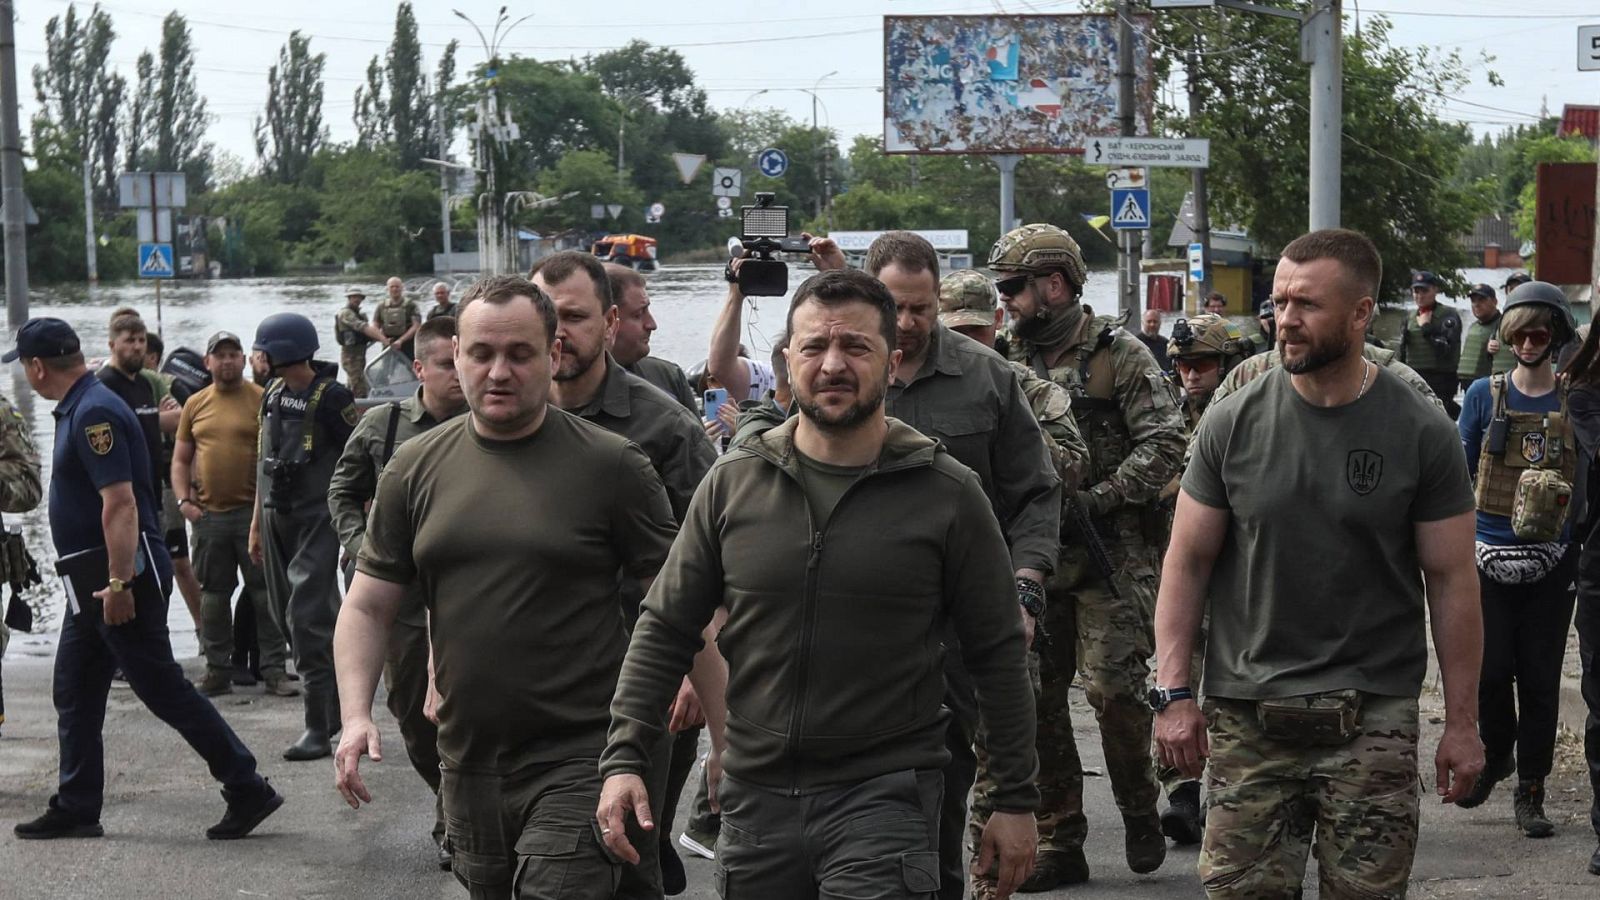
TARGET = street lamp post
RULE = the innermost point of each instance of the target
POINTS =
(823, 203)
(493, 129)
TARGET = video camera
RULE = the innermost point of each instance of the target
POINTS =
(764, 232)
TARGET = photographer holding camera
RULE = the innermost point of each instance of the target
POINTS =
(306, 418)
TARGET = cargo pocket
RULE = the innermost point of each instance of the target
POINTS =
(560, 861)
(920, 873)
(481, 874)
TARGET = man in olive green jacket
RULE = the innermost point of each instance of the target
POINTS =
(839, 544)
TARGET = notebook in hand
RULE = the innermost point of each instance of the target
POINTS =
(87, 571)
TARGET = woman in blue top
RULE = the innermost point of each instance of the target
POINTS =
(1513, 425)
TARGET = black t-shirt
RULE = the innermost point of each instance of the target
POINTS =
(141, 395)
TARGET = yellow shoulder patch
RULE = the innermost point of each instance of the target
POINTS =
(352, 415)
(101, 438)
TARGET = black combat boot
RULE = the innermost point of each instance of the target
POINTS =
(1494, 772)
(1529, 805)
(1594, 862)
(1054, 868)
(1143, 842)
(1181, 821)
(314, 743)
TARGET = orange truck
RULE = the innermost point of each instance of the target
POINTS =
(635, 250)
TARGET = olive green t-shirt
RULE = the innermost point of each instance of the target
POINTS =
(1318, 586)
(516, 546)
(824, 484)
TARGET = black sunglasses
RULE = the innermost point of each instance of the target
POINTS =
(1010, 287)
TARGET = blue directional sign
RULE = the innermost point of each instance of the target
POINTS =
(773, 162)
(1130, 209)
(155, 261)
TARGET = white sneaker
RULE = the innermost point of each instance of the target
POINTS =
(695, 846)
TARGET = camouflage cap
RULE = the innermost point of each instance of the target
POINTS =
(1036, 249)
(967, 297)
(1207, 334)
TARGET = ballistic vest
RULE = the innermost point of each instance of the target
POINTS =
(1091, 381)
(280, 440)
(1475, 359)
(1533, 441)
(393, 319)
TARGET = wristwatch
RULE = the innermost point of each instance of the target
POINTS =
(1162, 697)
(117, 585)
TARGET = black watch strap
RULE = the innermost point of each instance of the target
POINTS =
(1162, 697)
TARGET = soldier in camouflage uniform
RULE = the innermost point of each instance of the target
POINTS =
(969, 305)
(20, 491)
(352, 332)
(1129, 415)
(1203, 350)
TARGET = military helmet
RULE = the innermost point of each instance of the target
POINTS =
(286, 338)
(1036, 250)
(1207, 334)
(967, 297)
(1543, 293)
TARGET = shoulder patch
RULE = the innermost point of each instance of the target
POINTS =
(101, 438)
(351, 414)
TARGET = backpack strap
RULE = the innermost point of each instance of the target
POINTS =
(388, 437)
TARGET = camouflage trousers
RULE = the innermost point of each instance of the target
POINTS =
(1110, 642)
(1268, 801)
(354, 363)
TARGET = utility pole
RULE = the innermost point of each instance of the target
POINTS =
(1007, 163)
(444, 184)
(1202, 209)
(16, 205)
(1128, 295)
(1323, 43)
(88, 217)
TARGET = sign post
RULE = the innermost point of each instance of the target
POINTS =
(155, 195)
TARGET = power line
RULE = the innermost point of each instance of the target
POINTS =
(1501, 16)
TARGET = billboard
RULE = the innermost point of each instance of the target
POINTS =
(1006, 84)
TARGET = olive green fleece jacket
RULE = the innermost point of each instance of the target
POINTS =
(833, 638)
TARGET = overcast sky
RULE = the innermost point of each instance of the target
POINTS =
(736, 52)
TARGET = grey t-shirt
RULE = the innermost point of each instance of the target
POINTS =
(1318, 586)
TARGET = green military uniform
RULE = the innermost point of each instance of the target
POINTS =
(1311, 684)
(1434, 351)
(1476, 360)
(20, 491)
(666, 375)
(405, 668)
(629, 406)
(348, 332)
(394, 318)
(527, 637)
(451, 309)
(1129, 416)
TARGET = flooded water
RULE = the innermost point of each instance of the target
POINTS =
(684, 300)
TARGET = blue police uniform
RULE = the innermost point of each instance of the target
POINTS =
(99, 443)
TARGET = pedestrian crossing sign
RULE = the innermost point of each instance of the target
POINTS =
(1130, 209)
(155, 261)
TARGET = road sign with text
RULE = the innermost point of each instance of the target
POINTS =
(1171, 153)
(1589, 48)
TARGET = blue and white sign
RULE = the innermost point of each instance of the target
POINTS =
(1130, 209)
(155, 261)
(773, 162)
(1197, 262)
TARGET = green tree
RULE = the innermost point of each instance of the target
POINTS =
(1547, 148)
(165, 124)
(292, 131)
(79, 95)
(373, 211)
(1399, 158)
(582, 179)
(395, 106)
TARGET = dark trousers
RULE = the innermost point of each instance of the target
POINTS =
(685, 750)
(405, 677)
(1588, 624)
(90, 650)
(221, 554)
(1519, 690)
(875, 838)
(1444, 384)
(959, 774)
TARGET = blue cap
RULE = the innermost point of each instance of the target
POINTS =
(44, 339)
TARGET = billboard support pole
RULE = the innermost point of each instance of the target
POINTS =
(15, 215)
(1007, 163)
(1128, 295)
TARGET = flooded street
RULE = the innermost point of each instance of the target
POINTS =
(684, 300)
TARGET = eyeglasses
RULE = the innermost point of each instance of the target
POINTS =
(1537, 336)
(1201, 364)
(1010, 287)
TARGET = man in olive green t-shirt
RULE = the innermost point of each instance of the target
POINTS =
(1322, 498)
(515, 521)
